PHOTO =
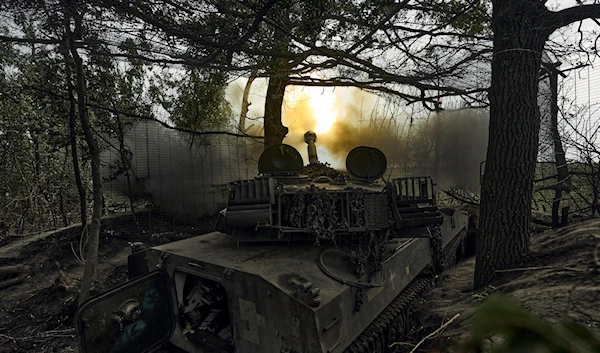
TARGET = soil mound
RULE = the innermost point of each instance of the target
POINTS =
(560, 281)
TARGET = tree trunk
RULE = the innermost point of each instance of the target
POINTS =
(274, 129)
(94, 229)
(593, 179)
(245, 103)
(61, 190)
(507, 187)
(126, 163)
(278, 80)
(37, 156)
(559, 153)
(437, 148)
(73, 141)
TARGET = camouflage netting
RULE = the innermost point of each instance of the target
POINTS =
(319, 211)
(315, 209)
(314, 170)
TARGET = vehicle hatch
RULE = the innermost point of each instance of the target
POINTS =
(135, 317)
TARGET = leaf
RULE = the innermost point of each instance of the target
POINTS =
(501, 315)
(582, 334)
(524, 332)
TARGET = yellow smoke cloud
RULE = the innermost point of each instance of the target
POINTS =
(337, 116)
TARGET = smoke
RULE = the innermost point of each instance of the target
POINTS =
(449, 145)
(462, 136)
(182, 178)
(346, 132)
(191, 179)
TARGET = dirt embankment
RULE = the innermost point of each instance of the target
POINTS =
(37, 314)
(559, 282)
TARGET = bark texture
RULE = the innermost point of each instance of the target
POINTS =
(513, 137)
(274, 129)
(279, 79)
(73, 142)
(245, 101)
(94, 228)
(560, 160)
(521, 28)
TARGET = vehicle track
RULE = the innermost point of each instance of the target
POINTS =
(392, 324)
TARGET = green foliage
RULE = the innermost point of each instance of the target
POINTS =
(195, 101)
(523, 332)
(468, 17)
(35, 190)
(201, 103)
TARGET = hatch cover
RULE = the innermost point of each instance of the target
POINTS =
(280, 159)
(366, 163)
(136, 317)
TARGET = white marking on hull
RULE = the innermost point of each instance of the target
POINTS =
(248, 313)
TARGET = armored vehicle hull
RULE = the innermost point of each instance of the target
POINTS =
(266, 290)
(299, 266)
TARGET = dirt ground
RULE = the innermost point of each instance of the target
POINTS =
(37, 314)
(560, 281)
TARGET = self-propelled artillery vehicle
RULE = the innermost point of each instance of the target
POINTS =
(329, 264)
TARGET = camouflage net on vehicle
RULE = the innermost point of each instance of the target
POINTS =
(314, 170)
(318, 211)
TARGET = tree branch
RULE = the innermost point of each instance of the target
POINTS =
(130, 8)
(570, 15)
(362, 85)
(29, 40)
(153, 119)
(147, 118)
(376, 28)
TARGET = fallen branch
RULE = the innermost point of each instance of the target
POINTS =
(12, 282)
(15, 269)
(68, 333)
(541, 222)
(561, 185)
(566, 268)
(518, 269)
(65, 281)
(82, 245)
(76, 256)
(429, 336)
(461, 198)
